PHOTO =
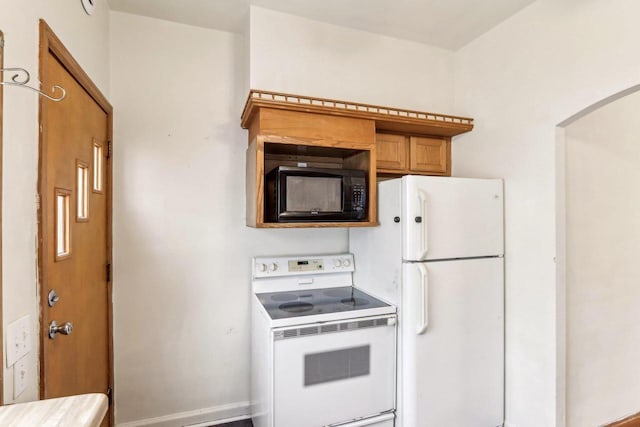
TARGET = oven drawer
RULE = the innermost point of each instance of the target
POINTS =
(334, 372)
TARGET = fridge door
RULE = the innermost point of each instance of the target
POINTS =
(451, 370)
(445, 218)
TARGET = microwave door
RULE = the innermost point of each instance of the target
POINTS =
(306, 194)
(313, 195)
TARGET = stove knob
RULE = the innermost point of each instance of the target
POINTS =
(261, 267)
(273, 266)
(337, 262)
(346, 262)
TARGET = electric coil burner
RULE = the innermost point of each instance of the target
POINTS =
(323, 351)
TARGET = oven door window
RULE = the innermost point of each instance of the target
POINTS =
(336, 365)
(346, 374)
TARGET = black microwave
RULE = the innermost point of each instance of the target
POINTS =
(294, 194)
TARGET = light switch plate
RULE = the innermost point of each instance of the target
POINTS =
(18, 339)
(20, 377)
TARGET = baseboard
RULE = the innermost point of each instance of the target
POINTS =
(211, 416)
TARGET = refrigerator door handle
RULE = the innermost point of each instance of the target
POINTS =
(423, 223)
(424, 299)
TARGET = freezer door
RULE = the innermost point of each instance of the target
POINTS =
(445, 218)
(451, 370)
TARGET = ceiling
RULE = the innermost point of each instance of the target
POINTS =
(449, 24)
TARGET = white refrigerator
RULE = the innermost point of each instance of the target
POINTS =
(438, 256)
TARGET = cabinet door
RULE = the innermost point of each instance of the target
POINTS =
(391, 151)
(430, 155)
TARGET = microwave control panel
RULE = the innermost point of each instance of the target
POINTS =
(359, 197)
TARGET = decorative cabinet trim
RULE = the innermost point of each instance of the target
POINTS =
(385, 118)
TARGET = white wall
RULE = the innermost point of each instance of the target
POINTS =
(296, 55)
(519, 81)
(603, 243)
(181, 248)
(86, 38)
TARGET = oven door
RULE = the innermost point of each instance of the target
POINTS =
(334, 372)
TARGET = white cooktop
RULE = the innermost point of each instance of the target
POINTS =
(311, 288)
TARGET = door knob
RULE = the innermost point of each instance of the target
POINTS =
(54, 329)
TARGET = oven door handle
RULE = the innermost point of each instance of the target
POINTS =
(365, 422)
(424, 299)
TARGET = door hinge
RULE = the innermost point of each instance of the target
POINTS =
(109, 149)
(108, 272)
(110, 395)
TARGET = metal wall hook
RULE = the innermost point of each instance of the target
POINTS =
(18, 71)
(22, 77)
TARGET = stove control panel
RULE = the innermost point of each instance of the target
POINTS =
(306, 265)
(302, 265)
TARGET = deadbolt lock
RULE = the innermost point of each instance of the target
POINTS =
(53, 298)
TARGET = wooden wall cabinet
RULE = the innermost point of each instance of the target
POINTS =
(410, 154)
(286, 130)
(290, 138)
(392, 152)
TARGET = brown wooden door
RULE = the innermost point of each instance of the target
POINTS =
(75, 233)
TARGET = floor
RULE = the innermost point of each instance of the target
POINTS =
(243, 423)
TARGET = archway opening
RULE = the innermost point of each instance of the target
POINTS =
(599, 269)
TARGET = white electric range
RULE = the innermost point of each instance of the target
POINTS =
(323, 352)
